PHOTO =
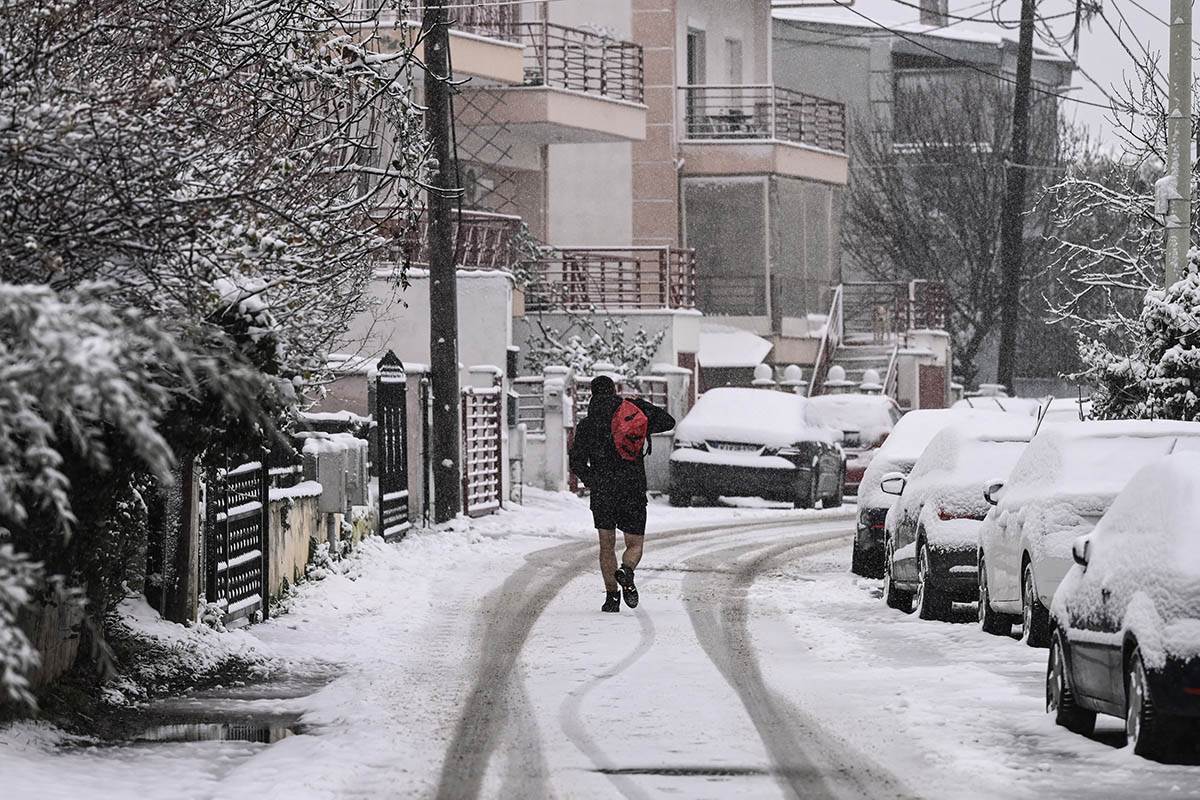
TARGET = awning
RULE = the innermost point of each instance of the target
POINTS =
(725, 346)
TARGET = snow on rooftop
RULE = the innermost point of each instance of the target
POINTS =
(726, 346)
(848, 19)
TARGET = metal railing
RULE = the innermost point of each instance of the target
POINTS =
(829, 343)
(886, 310)
(482, 241)
(531, 404)
(571, 278)
(582, 61)
(490, 19)
(732, 295)
(717, 112)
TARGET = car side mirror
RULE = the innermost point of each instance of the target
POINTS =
(893, 483)
(1081, 551)
(991, 491)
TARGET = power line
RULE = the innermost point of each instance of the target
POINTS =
(971, 66)
(814, 27)
(952, 15)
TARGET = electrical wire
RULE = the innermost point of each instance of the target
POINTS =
(995, 7)
(801, 24)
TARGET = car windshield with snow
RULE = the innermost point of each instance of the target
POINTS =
(755, 443)
(930, 536)
(1063, 483)
(865, 421)
(1126, 618)
(898, 453)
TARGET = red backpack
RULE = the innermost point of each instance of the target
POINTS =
(630, 426)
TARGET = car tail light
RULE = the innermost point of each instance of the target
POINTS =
(878, 526)
(1192, 690)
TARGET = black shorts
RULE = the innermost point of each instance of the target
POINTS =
(627, 515)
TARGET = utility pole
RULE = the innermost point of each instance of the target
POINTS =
(1179, 142)
(443, 290)
(1012, 225)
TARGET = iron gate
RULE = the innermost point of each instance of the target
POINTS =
(482, 412)
(236, 543)
(391, 401)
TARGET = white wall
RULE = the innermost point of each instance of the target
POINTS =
(399, 320)
(590, 186)
(748, 21)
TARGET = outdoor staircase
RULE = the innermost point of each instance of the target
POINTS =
(856, 359)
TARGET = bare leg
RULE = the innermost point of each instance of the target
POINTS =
(608, 558)
(633, 549)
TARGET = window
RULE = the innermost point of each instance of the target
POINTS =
(695, 57)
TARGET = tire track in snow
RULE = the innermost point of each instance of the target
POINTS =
(571, 721)
(509, 615)
(808, 763)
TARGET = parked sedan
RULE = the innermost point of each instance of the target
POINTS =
(755, 443)
(931, 534)
(1126, 618)
(1064, 482)
(865, 421)
(898, 453)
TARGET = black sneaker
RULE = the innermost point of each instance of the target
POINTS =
(624, 577)
(612, 602)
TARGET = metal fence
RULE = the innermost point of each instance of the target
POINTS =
(391, 411)
(531, 404)
(612, 278)
(763, 112)
(482, 240)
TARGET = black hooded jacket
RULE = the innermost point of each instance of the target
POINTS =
(594, 457)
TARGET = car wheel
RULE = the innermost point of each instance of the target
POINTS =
(711, 500)
(989, 620)
(858, 560)
(1060, 700)
(1035, 619)
(809, 500)
(931, 602)
(1149, 732)
(679, 499)
(895, 598)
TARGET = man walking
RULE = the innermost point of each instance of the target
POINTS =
(608, 455)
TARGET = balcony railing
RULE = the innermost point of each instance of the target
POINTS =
(582, 61)
(763, 112)
(566, 279)
(482, 241)
(490, 19)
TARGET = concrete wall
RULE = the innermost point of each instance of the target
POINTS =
(295, 523)
(399, 320)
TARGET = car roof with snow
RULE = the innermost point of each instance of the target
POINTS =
(757, 416)
(1027, 406)
(966, 456)
(854, 412)
(916, 429)
(1093, 459)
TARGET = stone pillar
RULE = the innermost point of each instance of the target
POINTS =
(560, 422)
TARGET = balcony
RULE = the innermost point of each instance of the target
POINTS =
(612, 278)
(483, 240)
(760, 129)
(483, 36)
(576, 86)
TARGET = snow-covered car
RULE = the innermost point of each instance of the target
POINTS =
(1024, 406)
(931, 533)
(1064, 482)
(755, 443)
(903, 447)
(865, 421)
(1126, 618)
(1066, 409)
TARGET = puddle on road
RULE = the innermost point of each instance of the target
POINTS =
(259, 732)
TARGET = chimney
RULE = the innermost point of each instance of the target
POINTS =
(933, 12)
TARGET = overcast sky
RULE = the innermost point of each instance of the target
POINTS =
(1101, 54)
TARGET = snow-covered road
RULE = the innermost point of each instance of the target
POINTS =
(476, 663)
